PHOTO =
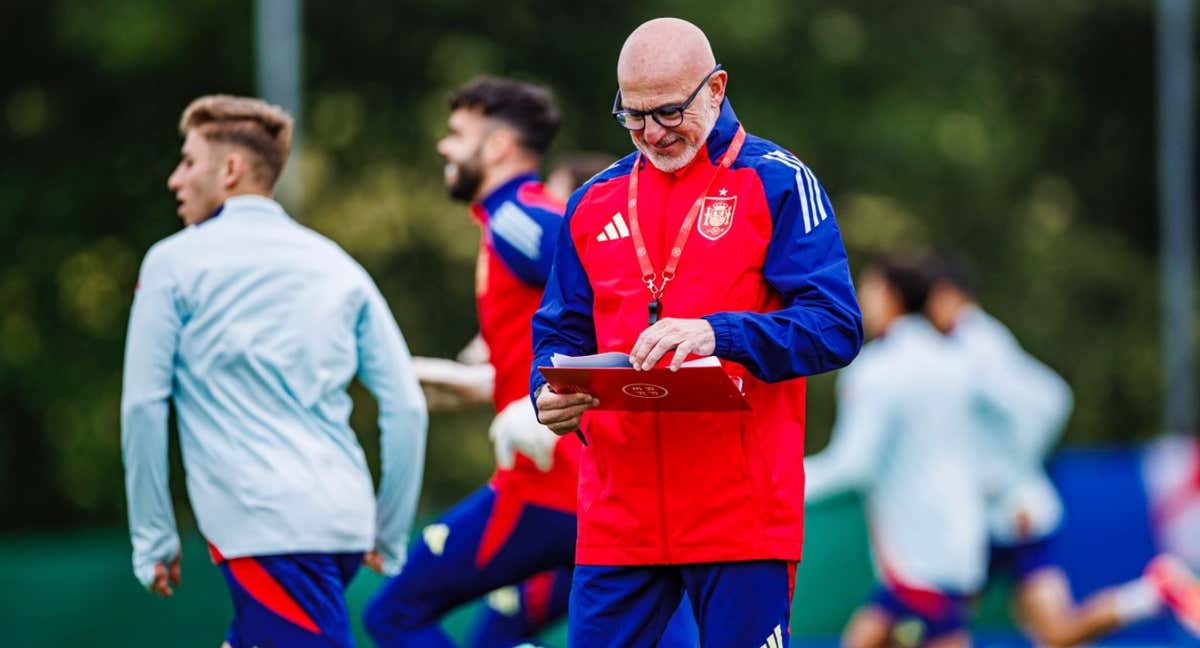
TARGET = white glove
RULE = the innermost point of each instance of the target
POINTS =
(516, 429)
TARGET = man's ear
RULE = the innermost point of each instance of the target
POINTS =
(233, 169)
(498, 145)
(717, 86)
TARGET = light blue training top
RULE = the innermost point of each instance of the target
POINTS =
(255, 325)
(903, 439)
(1014, 428)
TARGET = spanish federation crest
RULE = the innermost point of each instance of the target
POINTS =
(716, 216)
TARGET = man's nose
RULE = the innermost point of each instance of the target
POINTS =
(653, 132)
(173, 181)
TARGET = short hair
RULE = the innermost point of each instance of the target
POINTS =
(528, 108)
(263, 128)
(952, 269)
(909, 275)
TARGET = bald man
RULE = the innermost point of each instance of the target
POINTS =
(705, 241)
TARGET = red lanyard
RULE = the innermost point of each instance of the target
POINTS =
(653, 284)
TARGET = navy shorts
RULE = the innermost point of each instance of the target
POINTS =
(289, 600)
(734, 604)
(919, 616)
(516, 555)
(1022, 559)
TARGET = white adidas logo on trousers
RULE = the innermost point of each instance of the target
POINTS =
(616, 229)
(775, 639)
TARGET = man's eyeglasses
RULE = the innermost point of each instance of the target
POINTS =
(669, 116)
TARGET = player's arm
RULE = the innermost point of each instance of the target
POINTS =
(150, 349)
(385, 368)
(524, 238)
(859, 435)
(453, 385)
(562, 324)
(819, 328)
(1035, 399)
(1051, 405)
(476, 352)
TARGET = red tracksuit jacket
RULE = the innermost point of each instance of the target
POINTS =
(765, 265)
(520, 224)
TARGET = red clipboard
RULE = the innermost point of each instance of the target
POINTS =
(691, 389)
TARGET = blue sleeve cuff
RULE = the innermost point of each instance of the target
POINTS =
(725, 332)
(536, 383)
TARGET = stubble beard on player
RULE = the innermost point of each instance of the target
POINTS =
(468, 177)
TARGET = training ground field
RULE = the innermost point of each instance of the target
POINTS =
(76, 589)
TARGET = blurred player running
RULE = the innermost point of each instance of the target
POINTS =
(898, 439)
(1023, 508)
(514, 538)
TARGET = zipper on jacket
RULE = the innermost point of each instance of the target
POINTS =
(662, 486)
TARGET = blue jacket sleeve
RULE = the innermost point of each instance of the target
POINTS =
(819, 327)
(524, 238)
(563, 323)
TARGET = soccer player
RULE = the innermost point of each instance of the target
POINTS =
(903, 406)
(708, 241)
(515, 537)
(254, 325)
(469, 379)
(1023, 507)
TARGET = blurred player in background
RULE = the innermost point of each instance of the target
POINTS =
(571, 170)
(899, 440)
(255, 326)
(514, 538)
(469, 379)
(1023, 508)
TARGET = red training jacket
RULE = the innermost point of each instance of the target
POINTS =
(765, 265)
(520, 224)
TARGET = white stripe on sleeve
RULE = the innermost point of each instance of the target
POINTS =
(518, 229)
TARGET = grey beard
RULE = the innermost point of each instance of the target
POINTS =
(673, 164)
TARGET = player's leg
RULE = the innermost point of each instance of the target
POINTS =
(290, 600)
(487, 541)
(869, 627)
(954, 640)
(681, 631)
(741, 603)
(1049, 611)
(1178, 588)
(622, 606)
(908, 616)
(513, 614)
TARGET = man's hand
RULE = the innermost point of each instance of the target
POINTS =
(563, 412)
(686, 336)
(516, 429)
(374, 561)
(165, 576)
